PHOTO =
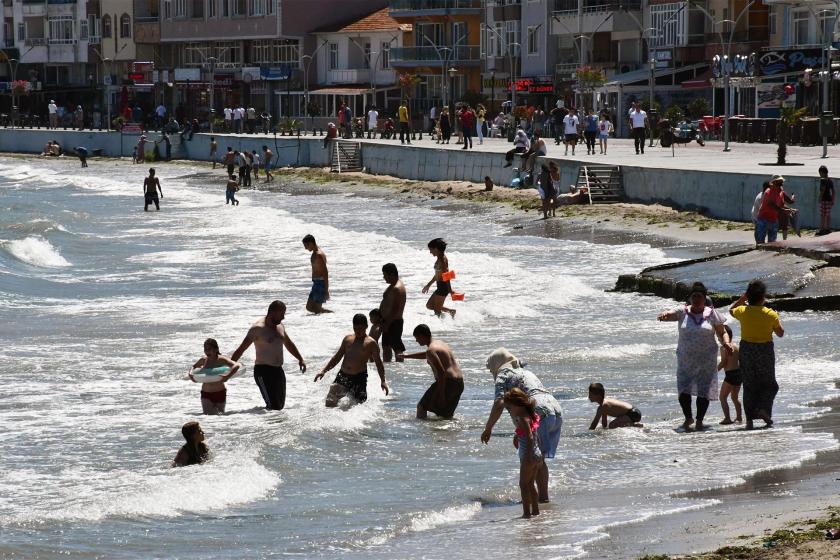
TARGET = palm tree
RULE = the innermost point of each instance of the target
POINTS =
(788, 116)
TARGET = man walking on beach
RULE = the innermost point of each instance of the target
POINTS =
(267, 163)
(827, 196)
(151, 186)
(320, 292)
(356, 350)
(269, 337)
(444, 394)
(391, 309)
(638, 124)
(404, 120)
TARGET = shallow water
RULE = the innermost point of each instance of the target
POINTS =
(103, 307)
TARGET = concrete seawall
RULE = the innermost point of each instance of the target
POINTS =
(726, 195)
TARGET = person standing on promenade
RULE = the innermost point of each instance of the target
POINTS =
(372, 120)
(638, 124)
(160, 115)
(605, 128)
(827, 196)
(521, 144)
(445, 126)
(557, 115)
(269, 337)
(756, 353)
(468, 126)
(697, 353)
(391, 310)
(772, 204)
(590, 131)
(52, 108)
(356, 350)
(320, 292)
(571, 124)
(228, 119)
(151, 186)
(404, 119)
(437, 247)
(480, 117)
(443, 396)
(267, 163)
(509, 373)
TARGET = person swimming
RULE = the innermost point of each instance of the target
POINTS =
(195, 451)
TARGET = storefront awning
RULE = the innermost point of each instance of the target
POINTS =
(640, 77)
(340, 91)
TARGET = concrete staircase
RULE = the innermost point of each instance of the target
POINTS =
(346, 156)
(603, 181)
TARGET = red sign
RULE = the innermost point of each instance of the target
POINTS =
(223, 79)
(136, 76)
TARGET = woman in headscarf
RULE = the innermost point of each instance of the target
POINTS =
(697, 353)
(508, 373)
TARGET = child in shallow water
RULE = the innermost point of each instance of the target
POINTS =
(214, 395)
(731, 385)
(195, 451)
(522, 409)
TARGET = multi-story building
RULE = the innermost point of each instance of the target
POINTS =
(354, 64)
(248, 50)
(442, 51)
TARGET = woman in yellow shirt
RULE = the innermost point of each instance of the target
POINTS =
(757, 355)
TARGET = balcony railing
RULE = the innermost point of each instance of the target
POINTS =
(570, 7)
(434, 7)
(62, 1)
(464, 54)
(35, 41)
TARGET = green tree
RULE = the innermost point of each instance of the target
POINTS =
(698, 108)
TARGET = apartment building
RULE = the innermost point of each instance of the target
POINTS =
(248, 51)
(442, 49)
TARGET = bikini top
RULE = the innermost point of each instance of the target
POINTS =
(533, 422)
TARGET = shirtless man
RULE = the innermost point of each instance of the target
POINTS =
(356, 349)
(267, 163)
(229, 157)
(443, 396)
(269, 337)
(151, 186)
(320, 292)
(391, 310)
(625, 414)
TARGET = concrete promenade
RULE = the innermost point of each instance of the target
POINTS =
(723, 184)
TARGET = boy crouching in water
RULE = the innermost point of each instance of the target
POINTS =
(625, 414)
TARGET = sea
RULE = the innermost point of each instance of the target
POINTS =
(103, 307)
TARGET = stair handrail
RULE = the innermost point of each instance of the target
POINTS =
(588, 186)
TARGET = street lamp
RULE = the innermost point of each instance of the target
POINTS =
(306, 66)
(212, 60)
(510, 63)
(444, 61)
(107, 81)
(825, 75)
(13, 65)
(652, 82)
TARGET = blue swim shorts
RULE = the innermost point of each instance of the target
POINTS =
(549, 434)
(319, 291)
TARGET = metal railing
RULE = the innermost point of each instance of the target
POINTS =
(570, 7)
(463, 53)
(420, 5)
(35, 41)
(62, 1)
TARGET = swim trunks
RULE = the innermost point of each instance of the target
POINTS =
(151, 197)
(353, 385)
(319, 291)
(734, 377)
(549, 434)
(443, 289)
(215, 396)
(392, 337)
(272, 383)
(634, 415)
(443, 406)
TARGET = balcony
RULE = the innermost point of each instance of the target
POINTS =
(361, 76)
(504, 11)
(146, 30)
(466, 55)
(566, 7)
(417, 8)
(35, 41)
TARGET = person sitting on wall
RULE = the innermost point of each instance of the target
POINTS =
(332, 133)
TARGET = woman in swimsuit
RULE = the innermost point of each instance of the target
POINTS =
(437, 247)
(195, 451)
(522, 409)
(214, 395)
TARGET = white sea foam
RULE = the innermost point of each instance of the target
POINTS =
(431, 519)
(37, 251)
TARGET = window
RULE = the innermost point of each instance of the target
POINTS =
(106, 26)
(511, 37)
(21, 31)
(269, 7)
(61, 30)
(93, 29)
(333, 62)
(212, 8)
(228, 53)
(385, 55)
(180, 8)
(495, 41)
(275, 51)
(670, 23)
(83, 30)
(125, 26)
(800, 20)
(225, 8)
(771, 23)
(826, 27)
(256, 7)
(433, 33)
(167, 13)
(533, 39)
(239, 7)
(198, 9)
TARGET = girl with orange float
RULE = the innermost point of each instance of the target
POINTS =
(442, 278)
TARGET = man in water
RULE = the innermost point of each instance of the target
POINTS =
(82, 152)
(151, 186)
(267, 163)
(320, 277)
(269, 338)
(443, 396)
(391, 310)
(355, 351)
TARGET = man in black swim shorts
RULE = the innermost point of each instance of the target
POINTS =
(151, 186)
(443, 396)
(391, 309)
(354, 353)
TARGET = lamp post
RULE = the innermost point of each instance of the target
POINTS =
(107, 82)
(444, 61)
(212, 60)
(306, 66)
(825, 74)
(13, 65)
(510, 63)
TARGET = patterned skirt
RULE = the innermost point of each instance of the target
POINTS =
(758, 368)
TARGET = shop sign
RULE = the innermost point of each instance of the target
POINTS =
(223, 80)
(187, 74)
(773, 96)
(275, 72)
(775, 62)
(535, 85)
(136, 76)
(250, 73)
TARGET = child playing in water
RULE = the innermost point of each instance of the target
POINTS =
(375, 324)
(625, 413)
(214, 395)
(731, 385)
(195, 451)
(522, 409)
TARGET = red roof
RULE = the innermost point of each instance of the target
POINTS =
(377, 21)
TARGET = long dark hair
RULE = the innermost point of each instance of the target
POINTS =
(197, 453)
(438, 243)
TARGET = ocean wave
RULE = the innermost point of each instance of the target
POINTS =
(36, 251)
(35, 227)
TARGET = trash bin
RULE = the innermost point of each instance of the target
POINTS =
(827, 124)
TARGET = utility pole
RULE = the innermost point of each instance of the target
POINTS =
(212, 60)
